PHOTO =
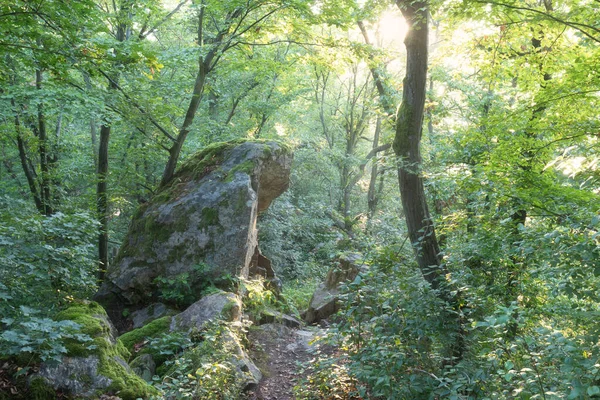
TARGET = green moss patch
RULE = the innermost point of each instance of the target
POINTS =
(127, 385)
(39, 389)
(247, 167)
(213, 155)
(210, 217)
(94, 322)
(153, 329)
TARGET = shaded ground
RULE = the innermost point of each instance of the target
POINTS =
(278, 351)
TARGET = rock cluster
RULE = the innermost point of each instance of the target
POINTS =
(194, 237)
(199, 229)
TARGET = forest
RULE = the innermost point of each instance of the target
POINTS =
(450, 149)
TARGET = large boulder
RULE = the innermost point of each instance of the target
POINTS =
(92, 369)
(325, 299)
(198, 229)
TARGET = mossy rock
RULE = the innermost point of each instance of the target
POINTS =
(91, 370)
(205, 215)
(151, 330)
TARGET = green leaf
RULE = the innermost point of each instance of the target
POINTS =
(593, 390)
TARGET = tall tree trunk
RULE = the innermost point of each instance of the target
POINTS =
(203, 70)
(175, 150)
(102, 199)
(93, 129)
(27, 170)
(409, 129)
(43, 149)
(407, 142)
(102, 208)
(373, 194)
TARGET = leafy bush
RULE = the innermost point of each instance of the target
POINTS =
(257, 298)
(204, 370)
(32, 339)
(44, 260)
(185, 288)
(297, 238)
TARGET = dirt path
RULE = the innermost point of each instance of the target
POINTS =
(278, 351)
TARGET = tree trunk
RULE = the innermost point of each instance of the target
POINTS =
(407, 141)
(373, 194)
(409, 129)
(29, 173)
(122, 34)
(203, 70)
(43, 150)
(102, 199)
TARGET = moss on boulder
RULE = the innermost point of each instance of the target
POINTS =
(89, 370)
(152, 330)
(206, 214)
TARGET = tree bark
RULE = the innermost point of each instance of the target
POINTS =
(373, 194)
(43, 147)
(29, 173)
(123, 32)
(204, 66)
(102, 199)
(409, 129)
(407, 142)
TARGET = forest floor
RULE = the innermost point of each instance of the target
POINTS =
(280, 353)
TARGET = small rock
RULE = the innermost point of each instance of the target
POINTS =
(324, 302)
(144, 366)
(148, 314)
(76, 375)
(225, 306)
(272, 316)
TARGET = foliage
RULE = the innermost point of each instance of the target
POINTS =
(297, 294)
(147, 332)
(33, 339)
(183, 289)
(257, 299)
(44, 259)
(510, 167)
(204, 369)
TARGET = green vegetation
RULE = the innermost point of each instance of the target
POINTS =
(92, 320)
(206, 367)
(39, 390)
(478, 217)
(149, 331)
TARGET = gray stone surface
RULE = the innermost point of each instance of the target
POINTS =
(148, 314)
(144, 366)
(247, 372)
(273, 316)
(76, 375)
(202, 224)
(224, 306)
(87, 376)
(325, 299)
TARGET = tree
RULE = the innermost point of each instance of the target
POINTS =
(220, 27)
(407, 145)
